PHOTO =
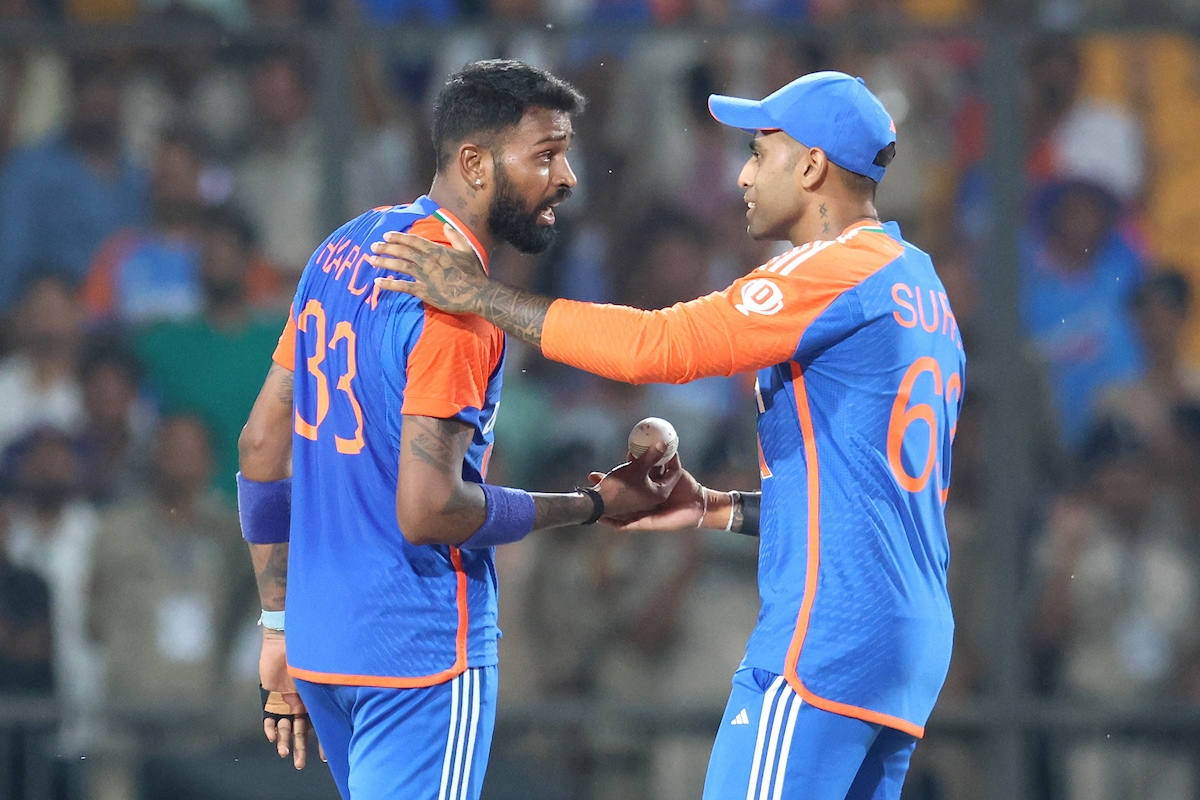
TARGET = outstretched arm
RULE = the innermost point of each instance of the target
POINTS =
(434, 505)
(452, 279)
(757, 322)
(692, 505)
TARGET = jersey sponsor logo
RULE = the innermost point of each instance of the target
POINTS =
(742, 718)
(760, 296)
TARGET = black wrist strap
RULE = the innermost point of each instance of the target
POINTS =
(597, 504)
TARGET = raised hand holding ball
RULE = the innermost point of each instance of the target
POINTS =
(650, 431)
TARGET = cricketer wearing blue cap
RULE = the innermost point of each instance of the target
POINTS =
(860, 371)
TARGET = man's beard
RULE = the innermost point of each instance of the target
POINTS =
(508, 219)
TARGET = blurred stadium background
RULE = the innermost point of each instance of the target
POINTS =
(167, 166)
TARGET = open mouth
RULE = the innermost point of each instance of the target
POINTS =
(546, 215)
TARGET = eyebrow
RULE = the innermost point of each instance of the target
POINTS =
(554, 137)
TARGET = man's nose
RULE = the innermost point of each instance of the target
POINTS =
(567, 176)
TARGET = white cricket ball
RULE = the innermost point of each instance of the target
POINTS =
(649, 432)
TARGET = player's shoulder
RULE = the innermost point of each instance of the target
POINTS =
(852, 257)
(475, 326)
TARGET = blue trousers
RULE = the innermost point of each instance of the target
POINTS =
(419, 744)
(774, 746)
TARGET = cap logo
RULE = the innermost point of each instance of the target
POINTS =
(761, 296)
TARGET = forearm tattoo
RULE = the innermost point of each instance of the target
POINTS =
(271, 574)
(514, 311)
(745, 513)
(556, 510)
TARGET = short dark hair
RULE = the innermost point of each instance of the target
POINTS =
(489, 96)
(861, 185)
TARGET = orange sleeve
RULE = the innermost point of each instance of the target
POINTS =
(755, 323)
(98, 292)
(285, 351)
(449, 366)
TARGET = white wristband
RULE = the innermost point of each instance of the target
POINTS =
(735, 498)
(272, 620)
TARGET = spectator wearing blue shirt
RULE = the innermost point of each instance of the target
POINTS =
(146, 274)
(79, 179)
(1078, 275)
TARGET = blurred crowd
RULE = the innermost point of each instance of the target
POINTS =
(158, 202)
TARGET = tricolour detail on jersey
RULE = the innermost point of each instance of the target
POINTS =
(445, 216)
(808, 434)
(460, 740)
(786, 263)
(776, 726)
(388, 682)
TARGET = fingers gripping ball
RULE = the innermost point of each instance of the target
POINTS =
(649, 432)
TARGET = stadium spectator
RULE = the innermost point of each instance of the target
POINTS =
(230, 248)
(1076, 137)
(118, 422)
(171, 586)
(675, 259)
(83, 169)
(211, 366)
(52, 532)
(1118, 602)
(38, 379)
(278, 181)
(25, 653)
(384, 163)
(34, 83)
(165, 603)
(1161, 305)
(144, 274)
(1078, 275)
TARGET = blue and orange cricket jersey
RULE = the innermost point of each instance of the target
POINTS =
(860, 381)
(365, 607)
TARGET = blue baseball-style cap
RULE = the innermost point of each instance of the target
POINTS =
(829, 110)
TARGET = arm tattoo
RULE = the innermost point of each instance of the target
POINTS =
(455, 283)
(286, 381)
(745, 513)
(514, 311)
(556, 510)
(285, 386)
(270, 571)
(435, 442)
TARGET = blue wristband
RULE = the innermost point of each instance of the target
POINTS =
(510, 515)
(265, 509)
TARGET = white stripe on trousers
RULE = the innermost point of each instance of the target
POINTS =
(780, 708)
(464, 723)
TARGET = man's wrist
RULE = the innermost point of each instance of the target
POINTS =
(272, 620)
(597, 503)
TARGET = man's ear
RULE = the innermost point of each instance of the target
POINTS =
(475, 165)
(812, 168)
